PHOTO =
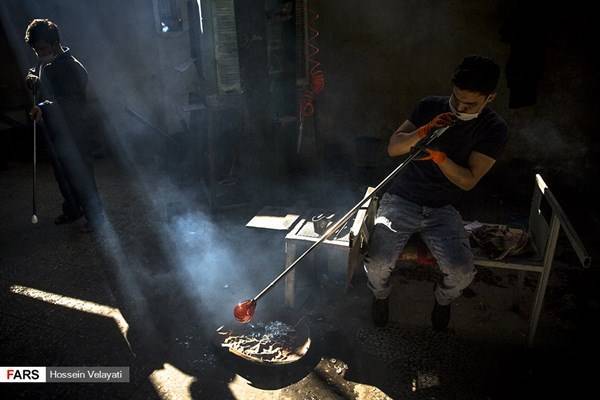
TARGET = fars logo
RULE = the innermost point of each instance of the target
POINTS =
(22, 374)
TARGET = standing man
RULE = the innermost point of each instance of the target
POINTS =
(420, 200)
(59, 83)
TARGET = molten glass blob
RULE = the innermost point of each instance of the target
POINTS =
(244, 311)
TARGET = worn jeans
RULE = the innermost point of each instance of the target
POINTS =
(441, 230)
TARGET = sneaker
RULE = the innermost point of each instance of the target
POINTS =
(97, 226)
(66, 219)
(440, 317)
(86, 228)
(381, 312)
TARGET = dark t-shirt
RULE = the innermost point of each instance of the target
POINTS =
(63, 82)
(423, 182)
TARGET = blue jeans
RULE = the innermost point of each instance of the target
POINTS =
(441, 230)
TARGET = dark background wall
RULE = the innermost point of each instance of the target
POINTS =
(381, 58)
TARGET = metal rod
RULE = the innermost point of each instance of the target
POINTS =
(545, 275)
(584, 258)
(34, 164)
(34, 219)
(415, 152)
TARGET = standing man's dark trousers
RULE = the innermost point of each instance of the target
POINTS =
(72, 160)
(71, 207)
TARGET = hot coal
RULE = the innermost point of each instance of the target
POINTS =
(273, 342)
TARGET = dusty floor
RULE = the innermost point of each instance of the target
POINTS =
(173, 293)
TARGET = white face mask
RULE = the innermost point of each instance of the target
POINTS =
(460, 115)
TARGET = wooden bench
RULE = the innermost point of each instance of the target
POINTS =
(543, 236)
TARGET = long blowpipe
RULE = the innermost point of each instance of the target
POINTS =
(244, 311)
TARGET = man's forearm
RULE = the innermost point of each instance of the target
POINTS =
(460, 176)
(401, 143)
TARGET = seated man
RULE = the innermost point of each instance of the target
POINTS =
(420, 199)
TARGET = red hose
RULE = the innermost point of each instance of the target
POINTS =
(317, 76)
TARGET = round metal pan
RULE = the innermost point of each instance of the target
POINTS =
(299, 340)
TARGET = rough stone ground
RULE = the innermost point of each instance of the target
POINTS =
(171, 311)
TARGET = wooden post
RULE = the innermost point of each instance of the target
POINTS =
(290, 278)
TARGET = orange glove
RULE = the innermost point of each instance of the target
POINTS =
(439, 121)
(436, 156)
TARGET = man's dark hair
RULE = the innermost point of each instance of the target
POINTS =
(477, 74)
(42, 29)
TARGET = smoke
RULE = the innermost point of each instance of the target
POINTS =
(207, 266)
(552, 147)
(167, 244)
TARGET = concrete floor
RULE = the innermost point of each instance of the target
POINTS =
(175, 280)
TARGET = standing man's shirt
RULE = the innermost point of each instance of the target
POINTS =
(63, 79)
(63, 82)
(422, 182)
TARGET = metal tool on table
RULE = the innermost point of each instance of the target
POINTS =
(244, 311)
(321, 222)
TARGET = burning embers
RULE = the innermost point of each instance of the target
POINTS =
(272, 343)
